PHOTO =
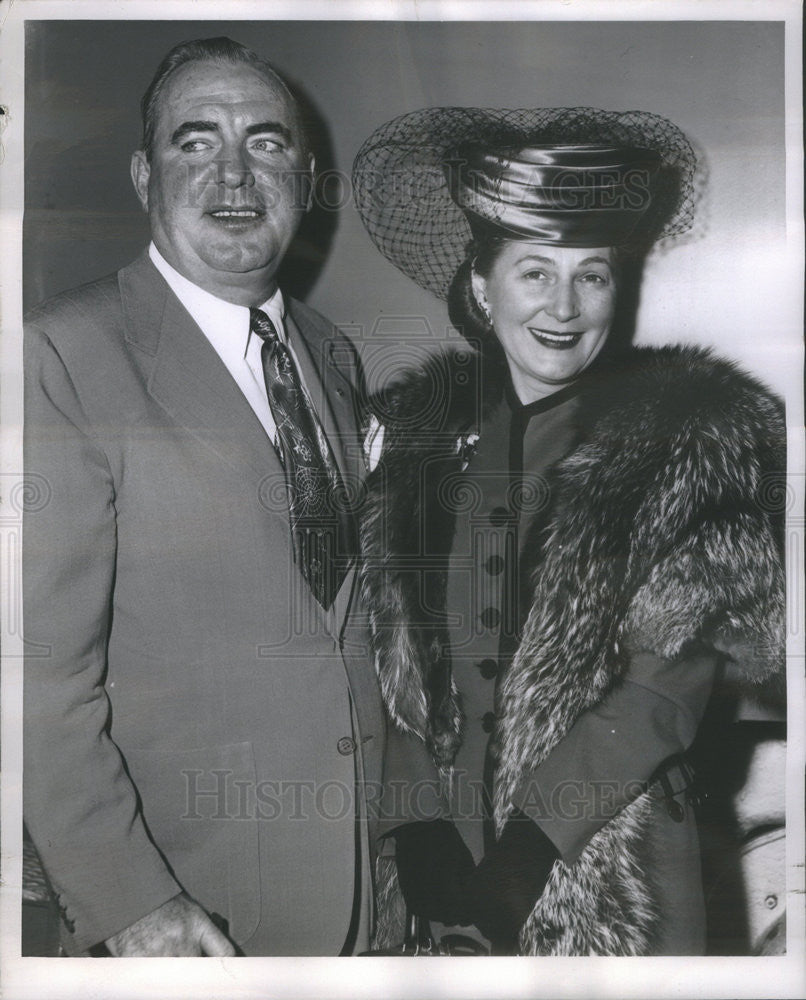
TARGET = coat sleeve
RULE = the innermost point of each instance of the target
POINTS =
(412, 788)
(612, 750)
(80, 805)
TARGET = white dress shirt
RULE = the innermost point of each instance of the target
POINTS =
(226, 326)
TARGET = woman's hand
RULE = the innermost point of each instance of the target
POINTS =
(509, 881)
(434, 868)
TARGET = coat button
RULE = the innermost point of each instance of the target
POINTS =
(490, 617)
(499, 516)
(494, 565)
(488, 668)
(346, 746)
(488, 722)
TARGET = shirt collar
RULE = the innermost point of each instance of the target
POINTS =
(216, 317)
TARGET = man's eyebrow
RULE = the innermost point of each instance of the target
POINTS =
(277, 128)
(187, 127)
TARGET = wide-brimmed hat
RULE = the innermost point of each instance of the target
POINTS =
(427, 182)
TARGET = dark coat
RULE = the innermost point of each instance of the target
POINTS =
(664, 531)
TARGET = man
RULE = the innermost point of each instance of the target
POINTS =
(200, 723)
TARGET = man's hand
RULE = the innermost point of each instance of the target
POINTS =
(179, 927)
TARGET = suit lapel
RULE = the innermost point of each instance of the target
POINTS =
(191, 383)
(312, 377)
(327, 368)
(188, 379)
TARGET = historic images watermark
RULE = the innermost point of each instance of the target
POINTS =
(220, 795)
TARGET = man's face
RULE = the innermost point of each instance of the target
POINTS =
(228, 181)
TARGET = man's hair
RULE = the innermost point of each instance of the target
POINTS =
(204, 50)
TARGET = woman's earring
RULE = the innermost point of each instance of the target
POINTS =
(477, 293)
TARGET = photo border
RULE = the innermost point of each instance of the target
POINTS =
(39, 979)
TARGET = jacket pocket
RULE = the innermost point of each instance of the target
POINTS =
(196, 807)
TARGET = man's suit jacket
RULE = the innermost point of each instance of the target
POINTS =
(193, 718)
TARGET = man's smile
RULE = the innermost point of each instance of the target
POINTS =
(233, 217)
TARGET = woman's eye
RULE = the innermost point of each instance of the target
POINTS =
(594, 279)
(534, 275)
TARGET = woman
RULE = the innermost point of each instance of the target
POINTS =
(563, 536)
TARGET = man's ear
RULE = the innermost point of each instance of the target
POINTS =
(311, 181)
(140, 171)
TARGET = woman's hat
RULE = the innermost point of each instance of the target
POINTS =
(429, 181)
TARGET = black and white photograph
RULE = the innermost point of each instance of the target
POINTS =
(402, 499)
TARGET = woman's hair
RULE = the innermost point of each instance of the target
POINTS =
(463, 309)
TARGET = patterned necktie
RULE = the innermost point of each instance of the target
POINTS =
(322, 526)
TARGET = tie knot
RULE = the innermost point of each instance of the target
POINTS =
(262, 325)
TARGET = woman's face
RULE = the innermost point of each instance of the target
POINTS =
(551, 308)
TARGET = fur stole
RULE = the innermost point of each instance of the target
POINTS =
(664, 529)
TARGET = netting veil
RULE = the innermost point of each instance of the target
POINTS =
(402, 191)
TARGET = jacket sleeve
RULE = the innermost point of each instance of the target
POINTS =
(80, 806)
(412, 789)
(608, 755)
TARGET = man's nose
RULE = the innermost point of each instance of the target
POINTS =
(234, 170)
(563, 305)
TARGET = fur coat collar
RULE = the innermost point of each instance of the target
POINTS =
(664, 530)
